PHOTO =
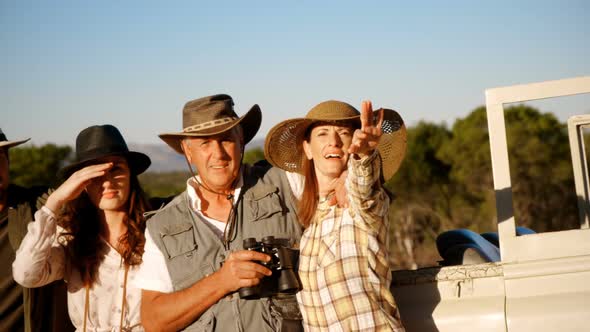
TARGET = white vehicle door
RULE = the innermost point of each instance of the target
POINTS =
(546, 275)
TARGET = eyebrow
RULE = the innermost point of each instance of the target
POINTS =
(337, 129)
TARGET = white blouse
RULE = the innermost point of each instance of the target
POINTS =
(41, 260)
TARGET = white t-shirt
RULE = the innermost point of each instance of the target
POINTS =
(153, 272)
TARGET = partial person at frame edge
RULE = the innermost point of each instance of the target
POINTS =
(24, 309)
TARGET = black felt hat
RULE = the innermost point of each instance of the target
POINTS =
(97, 142)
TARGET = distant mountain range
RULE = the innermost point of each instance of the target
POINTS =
(164, 159)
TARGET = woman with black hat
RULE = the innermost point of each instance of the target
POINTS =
(91, 234)
(343, 263)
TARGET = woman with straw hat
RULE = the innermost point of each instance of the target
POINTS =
(91, 234)
(343, 262)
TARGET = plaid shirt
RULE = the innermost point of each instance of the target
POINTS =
(343, 262)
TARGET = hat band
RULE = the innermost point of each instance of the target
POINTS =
(100, 152)
(208, 124)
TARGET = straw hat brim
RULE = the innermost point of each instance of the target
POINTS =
(250, 124)
(283, 147)
(10, 144)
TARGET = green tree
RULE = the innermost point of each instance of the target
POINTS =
(446, 181)
(422, 194)
(540, 170)
(253, 155)
(468, 153)
(32, 165)
(163, 184)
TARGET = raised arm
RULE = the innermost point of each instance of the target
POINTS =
(363, 184)
(366, 139)
(367, 196)
(40, 259)
(364, 144)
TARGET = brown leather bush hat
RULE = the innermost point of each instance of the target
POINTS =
(210, 116)
(97, 142)
(283, 144)
(5, 143)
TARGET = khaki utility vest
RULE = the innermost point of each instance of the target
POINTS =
(192, 251)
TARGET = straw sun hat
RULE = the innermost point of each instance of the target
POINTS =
(283, 145)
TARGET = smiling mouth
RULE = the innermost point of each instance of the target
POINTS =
(332, 156)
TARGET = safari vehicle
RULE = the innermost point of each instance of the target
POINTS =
(532, 282)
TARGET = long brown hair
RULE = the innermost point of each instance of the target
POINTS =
(307, 205)
(82, 226)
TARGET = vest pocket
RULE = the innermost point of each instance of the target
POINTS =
(263, 202)
(179, 240)
(284, 313)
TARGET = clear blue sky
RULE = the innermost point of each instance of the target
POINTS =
(65, 65)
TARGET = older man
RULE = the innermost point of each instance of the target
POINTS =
(194, 262)
(24, 309)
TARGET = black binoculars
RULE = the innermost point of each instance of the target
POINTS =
(283, 265)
